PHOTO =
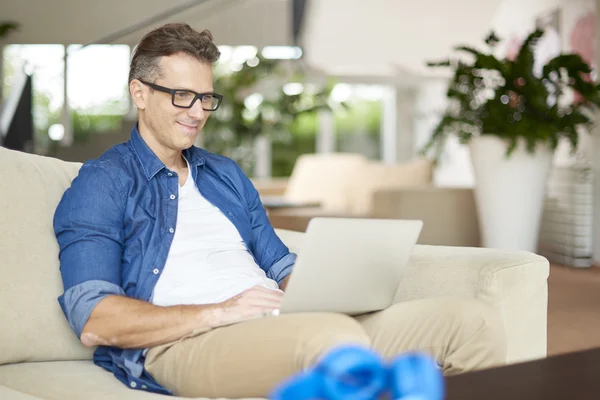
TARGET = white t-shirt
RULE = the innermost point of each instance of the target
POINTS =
(208, 261)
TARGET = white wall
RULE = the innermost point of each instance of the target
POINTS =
(455, 165)
(595, 158)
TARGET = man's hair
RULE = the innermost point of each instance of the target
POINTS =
(168, 40)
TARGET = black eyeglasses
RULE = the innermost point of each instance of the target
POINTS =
(186, 98)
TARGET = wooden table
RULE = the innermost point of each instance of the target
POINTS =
(279, 204)
(297, 219)
(564, 377)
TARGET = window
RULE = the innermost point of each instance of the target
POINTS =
(46, 63)
(97, 89)
(358, 128)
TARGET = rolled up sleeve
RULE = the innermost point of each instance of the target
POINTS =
(88, 224)
(79, 301)
(282, 268)
(272, 254)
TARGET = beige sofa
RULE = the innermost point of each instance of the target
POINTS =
(40, 357)
(348, 184)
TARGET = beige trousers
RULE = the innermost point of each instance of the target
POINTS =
(250, 358)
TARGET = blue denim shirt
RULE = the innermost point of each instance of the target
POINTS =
(115, 225)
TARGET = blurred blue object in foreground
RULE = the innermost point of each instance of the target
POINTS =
(415, 376)
(357, 373)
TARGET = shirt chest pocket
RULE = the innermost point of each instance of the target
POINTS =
(144, 212)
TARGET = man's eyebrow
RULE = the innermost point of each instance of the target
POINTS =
(211, 90)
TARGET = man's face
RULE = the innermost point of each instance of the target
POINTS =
(172, 127)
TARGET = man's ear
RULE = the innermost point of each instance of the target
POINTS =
(138, 94)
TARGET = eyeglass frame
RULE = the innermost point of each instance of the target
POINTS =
(197, 95)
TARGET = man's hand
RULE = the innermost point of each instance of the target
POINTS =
(251, 303)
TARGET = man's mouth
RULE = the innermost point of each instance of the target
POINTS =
(189, 126)
(189, 129)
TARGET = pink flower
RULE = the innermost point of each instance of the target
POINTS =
(513, 47)
(583, 37)
(582, 41)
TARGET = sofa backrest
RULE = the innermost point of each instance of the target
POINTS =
(377, 176)
(32, 327)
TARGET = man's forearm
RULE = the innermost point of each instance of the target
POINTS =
(130, 323)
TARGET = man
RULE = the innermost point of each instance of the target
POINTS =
(165, 248)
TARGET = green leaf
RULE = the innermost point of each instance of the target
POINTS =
(524, 61)
(444, 63)
(572, 63)
(483, 61)
(512, 145)
(492, 40)
(447, 124)
(8, 27)
(576, 118)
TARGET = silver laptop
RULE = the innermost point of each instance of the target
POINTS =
(350, 265)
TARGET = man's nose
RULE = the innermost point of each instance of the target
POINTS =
(196, 111)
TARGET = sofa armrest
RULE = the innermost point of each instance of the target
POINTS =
(514, 283)
(449, 215)
(292, 239)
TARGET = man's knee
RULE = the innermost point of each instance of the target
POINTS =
(327, 332)
(480, 326)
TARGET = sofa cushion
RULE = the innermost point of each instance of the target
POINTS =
(69, 380)
(8, 393)
(33, 326)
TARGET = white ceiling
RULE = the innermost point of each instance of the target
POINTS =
(388, 39)
(392, 37)
(258, 22)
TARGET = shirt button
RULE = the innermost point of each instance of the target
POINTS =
(172, 197)
(132, 384)
(144, 387)
(171, 230)
(170, 174)
(155, 271)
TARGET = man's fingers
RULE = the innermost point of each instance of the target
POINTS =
(261, 299)
(263, 289)
(265, 311)
(254, 314)
(263, 302)
(265, 294)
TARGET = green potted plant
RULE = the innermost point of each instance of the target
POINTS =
(260, 106)
(513, 116)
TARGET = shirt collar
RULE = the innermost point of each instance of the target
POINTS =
(150, 163)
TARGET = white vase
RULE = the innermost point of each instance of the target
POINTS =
(509, 192)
